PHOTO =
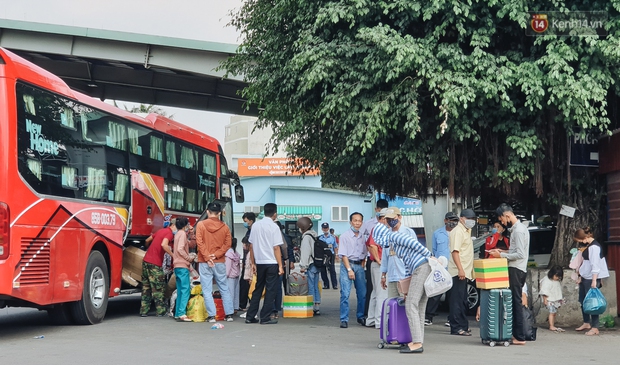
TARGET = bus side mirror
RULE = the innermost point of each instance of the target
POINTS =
(239, 194)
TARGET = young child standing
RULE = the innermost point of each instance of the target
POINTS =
(551, 292)
(233, 270)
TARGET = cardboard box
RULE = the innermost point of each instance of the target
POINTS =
(128, 279)
(298, 306)
(132, 265)
(491, 273)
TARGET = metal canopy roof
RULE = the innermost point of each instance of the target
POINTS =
(128, 66)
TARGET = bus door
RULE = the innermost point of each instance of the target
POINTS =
(147, 203)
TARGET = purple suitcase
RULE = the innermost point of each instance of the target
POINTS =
(394, 323)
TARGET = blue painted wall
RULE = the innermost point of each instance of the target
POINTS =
(262, 190)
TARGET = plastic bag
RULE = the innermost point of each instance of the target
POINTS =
(196, 309)
(438, 281)
(529, 330)
(594, 303)
(297, 284)
(253, 286)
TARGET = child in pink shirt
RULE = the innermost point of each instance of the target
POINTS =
(233, 271)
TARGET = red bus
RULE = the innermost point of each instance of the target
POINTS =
(81, 181)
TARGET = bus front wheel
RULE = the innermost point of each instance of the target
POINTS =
(92, 307)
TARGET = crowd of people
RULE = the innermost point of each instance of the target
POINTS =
(380, 257)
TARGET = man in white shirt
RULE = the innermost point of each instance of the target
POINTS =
(265, 239)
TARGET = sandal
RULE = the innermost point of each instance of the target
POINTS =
(184, 319)
(557, 330)
(462, 333)
(592, 332)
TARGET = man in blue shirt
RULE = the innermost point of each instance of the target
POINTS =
(330, 239)
(441, 247)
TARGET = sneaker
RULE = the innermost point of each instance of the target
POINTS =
(228, 318)
(344, 324)
(316, 312)
(447, 324)
(242, 315)
(428, 322)
(253, 320)
(143, 315)
(211, 319)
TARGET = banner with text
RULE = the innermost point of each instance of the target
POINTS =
(267, 167)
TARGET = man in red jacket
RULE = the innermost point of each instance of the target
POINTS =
(213, 240)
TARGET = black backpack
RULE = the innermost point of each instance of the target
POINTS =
(322, 253)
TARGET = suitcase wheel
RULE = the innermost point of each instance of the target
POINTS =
(506, 344)
(492, 343)
(381, 345)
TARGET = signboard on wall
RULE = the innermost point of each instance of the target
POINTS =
(274, 166)
(584, 150)
(407, 206)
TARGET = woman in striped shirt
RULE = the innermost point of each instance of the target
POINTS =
(415, 257)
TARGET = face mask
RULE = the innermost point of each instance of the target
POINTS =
(508, 224)
(174, 232)
(469, 223)
(300, 231)
(246, 225)
(392, 222)
(451, 224)
(494, 231)
(355, 230)
(378, 214)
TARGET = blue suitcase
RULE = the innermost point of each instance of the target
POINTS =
(394, 323)
(496, 316)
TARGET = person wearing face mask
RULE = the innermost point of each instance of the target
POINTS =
(461, 268)
(153, 278)
(244, 285)
(352, 253)
(441, 248)
(392, 267)
(366, 230)
(517, 256)
(497, 239)
(306, 261)
(330, 239)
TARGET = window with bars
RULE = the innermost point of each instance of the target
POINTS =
(340, 214)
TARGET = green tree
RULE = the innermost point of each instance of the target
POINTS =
(418, 96)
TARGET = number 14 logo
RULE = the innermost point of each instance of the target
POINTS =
(539, 23)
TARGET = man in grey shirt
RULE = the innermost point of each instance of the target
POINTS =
(517, 257)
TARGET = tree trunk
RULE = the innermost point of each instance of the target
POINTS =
(584, 216)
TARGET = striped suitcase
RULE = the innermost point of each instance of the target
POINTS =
(496, 316)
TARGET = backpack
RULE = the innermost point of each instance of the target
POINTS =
(321, 252)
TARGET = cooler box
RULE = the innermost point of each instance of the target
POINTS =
(299, 306)
(491, 273)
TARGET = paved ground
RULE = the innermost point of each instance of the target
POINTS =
(125, 338)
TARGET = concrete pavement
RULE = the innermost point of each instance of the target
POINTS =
(125, 338)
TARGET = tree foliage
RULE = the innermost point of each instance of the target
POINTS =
(418, 96)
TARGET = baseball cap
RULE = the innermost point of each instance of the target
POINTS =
(214, 207)
(392, 212)
(383, 212)
(451, 216)
(468, 213)
(325, 225)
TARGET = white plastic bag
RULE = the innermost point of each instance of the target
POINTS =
(439, 280)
